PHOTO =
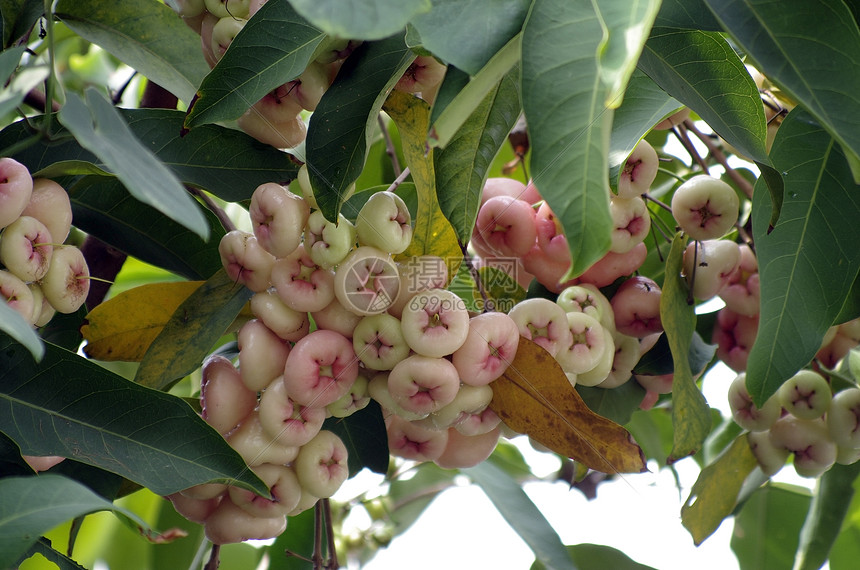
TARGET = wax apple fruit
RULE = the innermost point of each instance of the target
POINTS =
(16, 187)
(705, 207)
(279, 217)
(435, 323)
(67, 281)
(26, 248)
(639, 171)
(384, 223)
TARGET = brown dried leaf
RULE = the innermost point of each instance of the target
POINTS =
(534, 397)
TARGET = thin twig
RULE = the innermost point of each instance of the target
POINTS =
(317, 558)
(329, 529)
(720, 157)
(50, 82)
(389, 145)
(681, 132)
(399, 180)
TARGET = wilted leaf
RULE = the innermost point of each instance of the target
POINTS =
(691, 415)
(192, 331)
(123, 327)
(433, 233)
(534, 397)
(715, 493)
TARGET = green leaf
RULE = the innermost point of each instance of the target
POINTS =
(43, 547)
(447, 122)
(405, 190)
(16, 17)
(411, 496)
(22, 83)
(691, 416)
(466, 34)
(658, 360)
(144, 34)
(563, 100)
(11, 462)
(365, 438)
(690, 14)
(830, 503)
(274, 47)
(462, 166)
(103, 208)
(69, 406)
(522, 514)
(617, 404)
(16, 327)
(341, 127)
(192, 331)
(360, 19)
(715, 493)
(808, 263)
(101, 130)
(645, 104)
(299, 540)
(598, 557)
(805, 48)
(701, 70)
(31, 506)
(225, 162)
(767, 527)
(626, 27)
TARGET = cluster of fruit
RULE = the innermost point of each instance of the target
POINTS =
(336, 323)
(805, 420)
(39, 275)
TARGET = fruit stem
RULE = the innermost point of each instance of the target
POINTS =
(681, 133)
(50, 82)
(389, 145)
(720, 157)
(399, 180)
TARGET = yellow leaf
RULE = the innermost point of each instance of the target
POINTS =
(433, 234)
(123, 327)
(534, 397)
(715, 493)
